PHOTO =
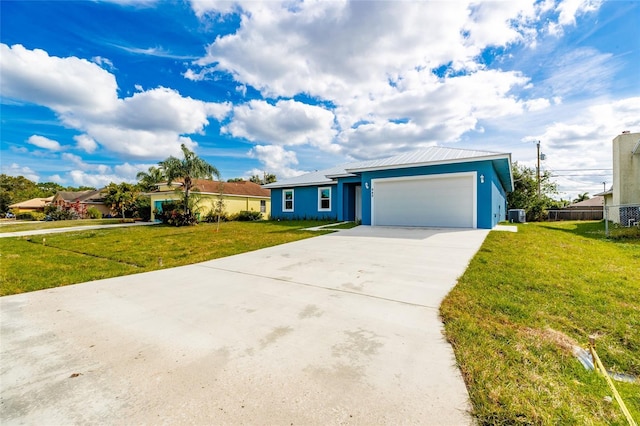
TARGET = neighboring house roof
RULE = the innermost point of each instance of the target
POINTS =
(93, 195)
(424, 157)
(596, 201)
(34, 203)
(243, 188)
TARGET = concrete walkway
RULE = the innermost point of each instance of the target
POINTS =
(71, 229)
(338, 329)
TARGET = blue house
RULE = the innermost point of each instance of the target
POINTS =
(433, 187)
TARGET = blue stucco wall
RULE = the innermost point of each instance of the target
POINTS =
(305, 204)
(490, 195)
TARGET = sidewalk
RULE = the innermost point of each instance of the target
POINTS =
(70, 229)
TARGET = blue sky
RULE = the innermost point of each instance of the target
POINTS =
(95, 91)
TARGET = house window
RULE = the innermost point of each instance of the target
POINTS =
(263, 206)
(287, 200)
(324, 199)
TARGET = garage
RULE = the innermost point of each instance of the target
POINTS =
(442, 200)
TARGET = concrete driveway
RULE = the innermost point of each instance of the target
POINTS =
(337, 329)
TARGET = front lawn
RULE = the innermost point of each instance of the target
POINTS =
(30, 226)
(44, 261)
(526, 299)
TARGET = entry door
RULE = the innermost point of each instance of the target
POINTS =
(358, 203)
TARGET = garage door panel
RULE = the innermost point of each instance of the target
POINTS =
(432, 201)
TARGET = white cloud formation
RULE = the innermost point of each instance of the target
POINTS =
(148, 124)
(15, 169)
(45, 143)
(276, 160)
(86, 143)
(583, 142)
(394, 75)
(288, 123)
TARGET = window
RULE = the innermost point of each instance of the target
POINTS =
(287, 200)
(324, 199)
(263, 206)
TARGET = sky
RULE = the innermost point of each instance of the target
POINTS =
(93, 92)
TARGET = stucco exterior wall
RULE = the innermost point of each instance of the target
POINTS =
(233, 204)
(626, 169)
(305, 203)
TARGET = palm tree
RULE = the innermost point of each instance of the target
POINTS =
(582, 197)
(148, 180)
(189, 168)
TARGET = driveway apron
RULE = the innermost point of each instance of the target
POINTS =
(337, 329)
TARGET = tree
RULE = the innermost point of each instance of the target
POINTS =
(187, 169)
(121, 197)
(147, 181)
(265, 179)
(582, 197)
(525, 194)
(235, 180)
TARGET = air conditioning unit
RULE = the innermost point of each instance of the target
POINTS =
(517, 216)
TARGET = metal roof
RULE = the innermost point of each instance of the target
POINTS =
(424, 157)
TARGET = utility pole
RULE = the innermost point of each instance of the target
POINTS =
(538, 170)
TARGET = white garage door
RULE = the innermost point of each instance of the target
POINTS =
(447, 200)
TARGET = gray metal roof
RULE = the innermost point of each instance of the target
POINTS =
(428, 156)
(433, 154)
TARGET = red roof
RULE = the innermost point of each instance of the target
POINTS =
(244, 187)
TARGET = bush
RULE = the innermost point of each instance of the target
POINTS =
(247, 216)
(38, 216)
(24, 216)
(143, 208)
(212, 217)
(94, 213)
(61, 213)
(179, 218)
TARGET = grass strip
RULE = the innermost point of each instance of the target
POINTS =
(28, 264)
(526, 299)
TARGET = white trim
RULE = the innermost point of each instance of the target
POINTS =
(320, 189)
(293, 196)
(473, 175)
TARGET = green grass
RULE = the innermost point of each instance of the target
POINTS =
(347, 225)
(30, 264)
(31, 226)
(525, 299)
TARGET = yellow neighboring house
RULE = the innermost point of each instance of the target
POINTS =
(32, 205)
(236, 196)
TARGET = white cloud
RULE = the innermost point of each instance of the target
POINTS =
(276, 160)
(86, 143)
(45, 143)
(287, 123)
(148, 124)
(63, 84)
(103, 62)
(16, 170)
(583, 141)
(373, 63)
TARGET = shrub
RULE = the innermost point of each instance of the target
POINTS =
(212, 217)
(248, 215)
(38, 216)
(143, 208)
(61, 213)
(180, 218)
(24, 216)
(94, 213)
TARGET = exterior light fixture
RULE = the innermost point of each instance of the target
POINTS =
(366, 185)
(481, 178)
